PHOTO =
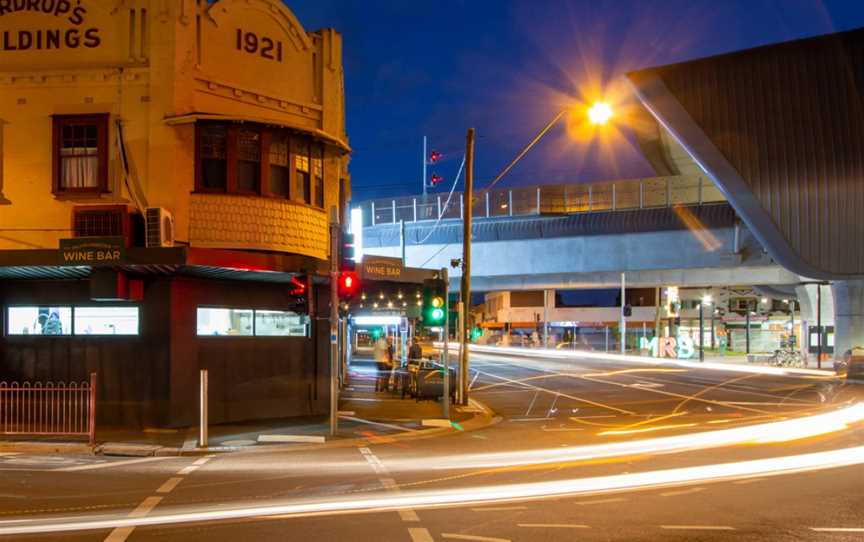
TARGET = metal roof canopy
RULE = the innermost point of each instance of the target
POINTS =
(780, 130)
(200, 262)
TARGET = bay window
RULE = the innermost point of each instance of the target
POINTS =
(249, 158)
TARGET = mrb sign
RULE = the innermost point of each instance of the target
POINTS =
(669, 347)
(92, 251)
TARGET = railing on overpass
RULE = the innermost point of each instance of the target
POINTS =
(551, 199)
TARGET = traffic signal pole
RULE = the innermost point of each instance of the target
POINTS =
(445, 362)
(468, 207)
(334, 321)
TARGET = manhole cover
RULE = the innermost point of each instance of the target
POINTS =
(239, 443)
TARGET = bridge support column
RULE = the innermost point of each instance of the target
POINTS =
(848, 315)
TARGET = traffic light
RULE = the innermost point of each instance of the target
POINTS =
(434, 156)
(434, 302)
(299, 291)
(628, 310)
(436, 179)
(348, 285)
(298, 286)
(346, 255)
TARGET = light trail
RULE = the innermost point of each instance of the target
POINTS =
(778, 431)
(707, 365)
(491, 494)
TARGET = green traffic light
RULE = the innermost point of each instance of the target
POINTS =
(437, 314)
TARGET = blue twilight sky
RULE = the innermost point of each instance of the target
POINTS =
(505, 67)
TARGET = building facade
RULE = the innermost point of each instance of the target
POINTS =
(167, 174)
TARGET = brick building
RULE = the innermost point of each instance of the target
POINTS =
(166, 174)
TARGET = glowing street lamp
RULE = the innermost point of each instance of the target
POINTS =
(599, 113)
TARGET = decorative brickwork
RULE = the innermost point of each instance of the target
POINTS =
(249, 222)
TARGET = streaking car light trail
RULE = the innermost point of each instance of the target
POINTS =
(464, 496)
(771, 432)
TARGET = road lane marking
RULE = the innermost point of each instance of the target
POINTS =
(420, 534)
(599, 501)
(120, 534)
(750, 481)
(682, 492)
(565, 395)
(531, 405)
(378, 424)
(406, 514)
(698, 527)
(529, 419)
(471, 385)
(108, 464)
(498, 508)
(454, 536)
(553, 525)
(201, 461)
(169, 485)
(188, 470)
(838, 529)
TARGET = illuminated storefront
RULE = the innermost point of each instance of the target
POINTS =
(166, 175)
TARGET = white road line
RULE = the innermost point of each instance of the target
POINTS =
(454, 536)
(188, 470)
(419, 534)
(599, 501)
(109, 464)
(553, 525)
(120, 534)
(379, 424)
(682, 492)
(498, 508)
(529, 419)
(750, 481)
(471, 385)
(838, 529)
(406, 514)
(698, 527)
(531, 405)
(169, 485)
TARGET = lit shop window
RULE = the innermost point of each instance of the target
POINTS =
(42, 320)
(224, 322)
(279, 324)
(106, 320)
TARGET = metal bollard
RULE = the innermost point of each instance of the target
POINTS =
(202, 411)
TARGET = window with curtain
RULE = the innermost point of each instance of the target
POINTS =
(80, 153)
(318, 174)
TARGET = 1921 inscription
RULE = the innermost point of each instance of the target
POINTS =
(255, 44)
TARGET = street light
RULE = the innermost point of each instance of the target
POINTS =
(600, 113)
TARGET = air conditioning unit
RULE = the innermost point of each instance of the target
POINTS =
(159, 226)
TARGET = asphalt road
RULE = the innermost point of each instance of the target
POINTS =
(582, 422)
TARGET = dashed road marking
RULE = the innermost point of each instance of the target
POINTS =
(682, 492)
(406, 514)
(600, 501)
(750, 481)
(420, 534)
(838, 529)
(120, 534)
(499, 508)
(169, 485)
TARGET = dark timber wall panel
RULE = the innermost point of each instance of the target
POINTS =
(790, 119)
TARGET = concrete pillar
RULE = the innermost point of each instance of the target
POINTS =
(848, 315)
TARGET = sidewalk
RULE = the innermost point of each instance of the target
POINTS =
(365, 416)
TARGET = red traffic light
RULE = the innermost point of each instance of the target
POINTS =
(436, 178)
(348, 285)
(434, 156)
(298, 286)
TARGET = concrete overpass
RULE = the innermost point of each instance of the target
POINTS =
(674, 230)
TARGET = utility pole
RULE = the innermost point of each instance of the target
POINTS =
(623, 320)
(819, 325)
(701, 330)
(424, 166)
(334, 320)
(445, 362)
(468, 201)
